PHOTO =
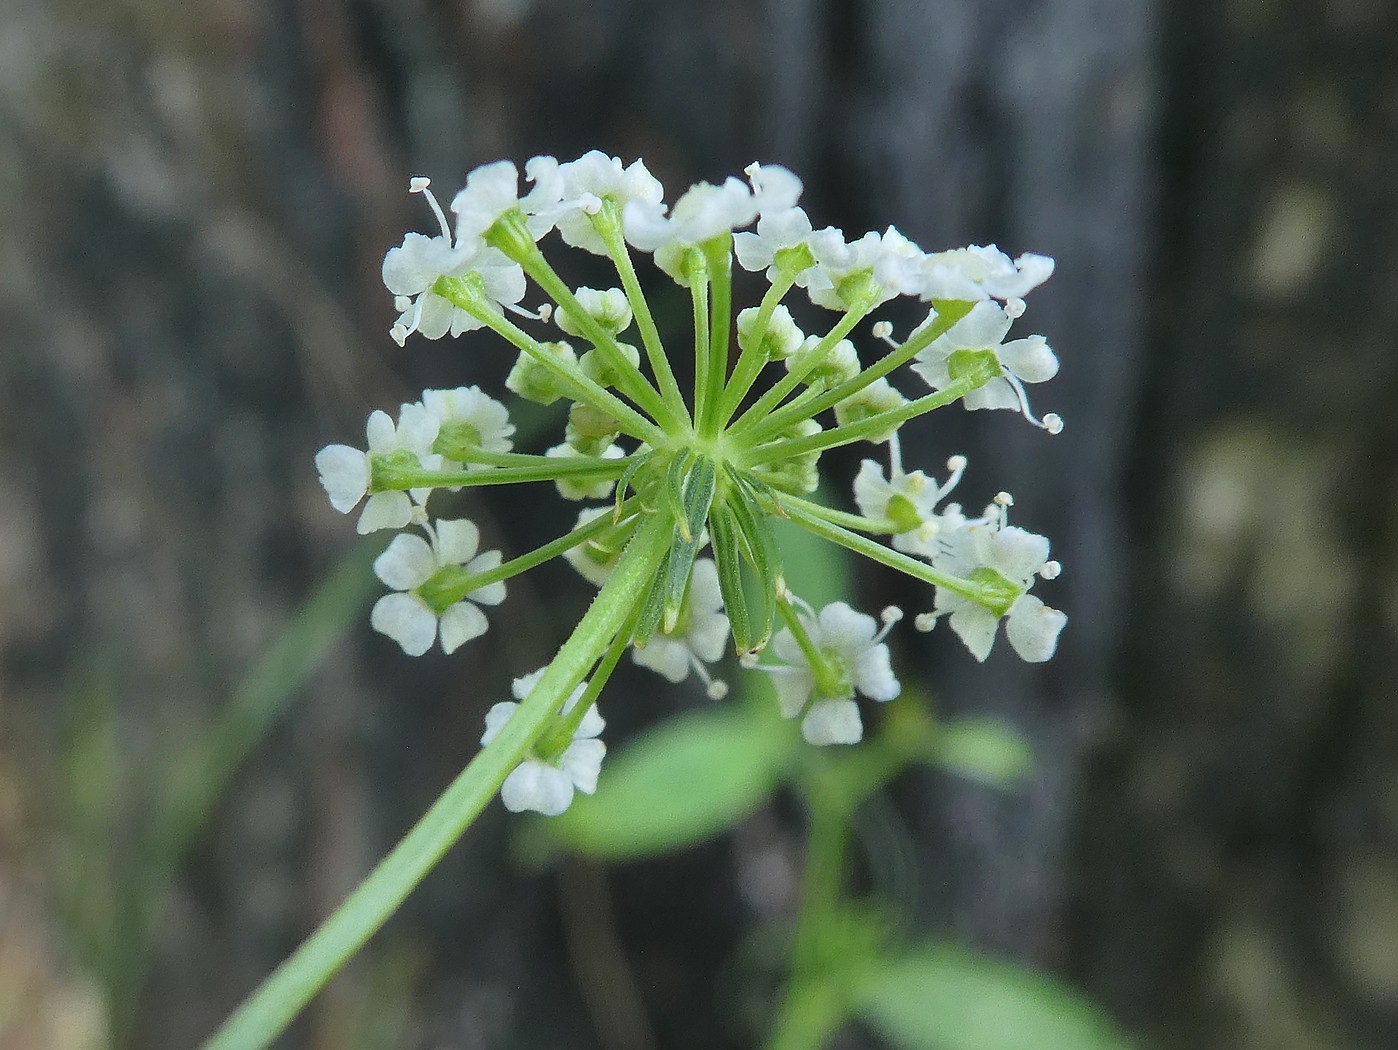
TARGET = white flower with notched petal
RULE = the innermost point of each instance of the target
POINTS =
(346, 473)
(1017, 556)
(703, 213)
(907, 501)
(977, 272)
(849, 656)
(546, 785)
(592, 177)
(1021, 360)
(699, 635)
(426, 579)
(493, 189)
(468, 417)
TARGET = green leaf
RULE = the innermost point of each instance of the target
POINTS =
(945, 998)
(983, 749)
(680, 783)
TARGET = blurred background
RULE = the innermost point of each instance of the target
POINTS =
(194, 202)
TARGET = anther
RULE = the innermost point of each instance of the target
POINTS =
(545, 312)
(957, 466)
(924, 622)
(1050, 570)
(1014, 309)
(717, 690)
(884, 330)
(1004, 499)
(1053, 423)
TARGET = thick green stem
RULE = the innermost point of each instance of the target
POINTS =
(286, 992)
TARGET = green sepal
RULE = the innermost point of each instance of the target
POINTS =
(389, 470)
(675, 477)
(760, 549)
(996, 593)
(626, 479)
(725, 539)
(457, 441)
(972, 364)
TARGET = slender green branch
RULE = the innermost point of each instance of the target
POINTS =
(607, 223)
(459, 291)
(811, 516)
(286, 992)
(875, 424)
(391, 477)
(948, 313)
(752, 358)
(697, 270)
(718, 256)
(810, 361)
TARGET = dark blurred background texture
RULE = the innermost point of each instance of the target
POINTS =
(195, 198)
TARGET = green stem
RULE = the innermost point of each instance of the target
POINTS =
(390, 478)
(630, 380)
(286, 992)
(697, 270)
(812, 516)
(461, 292)
(607, 223)
(875, 424)
(450, 596)
(948, 313)
(718, 255)
(811, 361)
(752, 358)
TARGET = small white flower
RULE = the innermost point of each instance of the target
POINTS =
(470, 416)
(984, 328)
(411, 269)
(592, 177)
(776, 231)
(840, 363)
(346, 472)
(409, 563)
(594, 561)
(853, 658)
(703, 213)
(543, 785)
(978, 272)
(608, 307)
(909, 501)
(699, 636)
(774, 189)
(1018, 556)
(574, 489)
(493, 189)
(783, 337)
(888, 257)
(878, 397)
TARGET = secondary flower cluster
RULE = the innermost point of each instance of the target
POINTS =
(682, 551)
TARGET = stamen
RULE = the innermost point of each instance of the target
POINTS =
(715, 688)
(1050, 570)
(419, 184)
(1052, 422)
(1000, 509)
(890, 616)
(895, 456)
(545, 312)
(957, 466)
(884, 330)
(924, 622)
(1014, 309)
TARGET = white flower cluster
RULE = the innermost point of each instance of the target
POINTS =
(717, 470)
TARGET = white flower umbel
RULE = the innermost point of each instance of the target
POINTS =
(842, 652)
(698, 637)
(907, 501)
(1008, 558)
(423, 576)
(1021, 361)
(347, 473)
(546, 784)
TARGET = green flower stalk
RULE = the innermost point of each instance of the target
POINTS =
(683, 490)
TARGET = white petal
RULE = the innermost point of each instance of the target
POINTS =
(522, 687)
(537, 786)
(872, 490)
(794, 687)
(582, 762)
(417, 429)
(666, 657)
(491, 593)
(975, 625)
(345, 474)
(708, 636)
(407, 620)
(380, 431)
(832, 722)
(787, 649)
(592, 723)
(873, 674)
(457, 541)
(844, 628)
(406, 563)
(1016, 553)
(995, 394)
(1031, 359)
(384, 510)
(1033, 629)
(496, 719)
(460, 623)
